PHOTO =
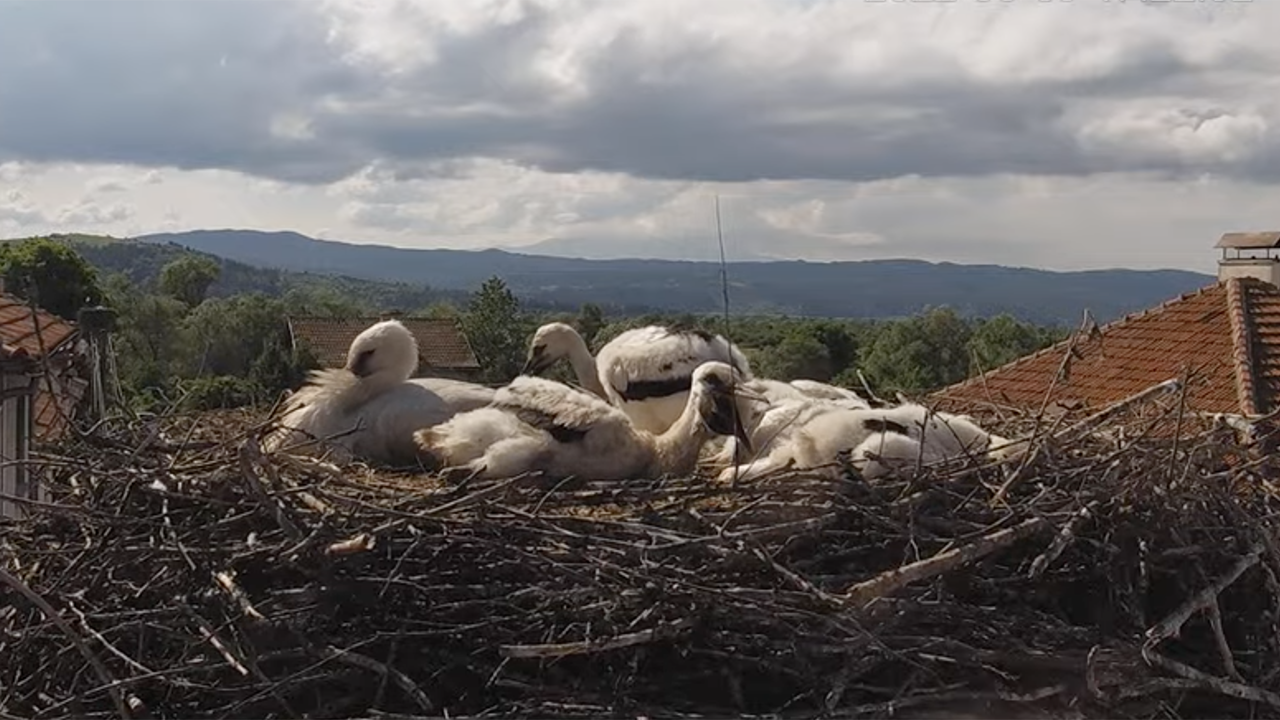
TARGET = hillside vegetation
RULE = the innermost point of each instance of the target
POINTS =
(869, 289)
(212, 332)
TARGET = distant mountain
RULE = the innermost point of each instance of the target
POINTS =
(872, 288)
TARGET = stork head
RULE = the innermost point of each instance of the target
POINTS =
(717, 389)
(385, 350)
(552, 343)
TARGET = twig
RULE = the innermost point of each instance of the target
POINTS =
(122, 705)
(400, 679)
(889, 582)
(1172, 625)
(1062, 540)
(587, 647)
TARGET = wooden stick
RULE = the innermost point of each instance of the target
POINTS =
(888, 582)
(587, 647)
(1063, 539)
(1209, 682)
(100, 669)
(400, 679)
(226, 580)
(1172, 625)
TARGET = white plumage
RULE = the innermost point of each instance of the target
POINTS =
(786, 407)
(558, 341)
(813, 435)
(645, 372)
(823, 391)
(373, 395)
(884, 453)
(535, 424)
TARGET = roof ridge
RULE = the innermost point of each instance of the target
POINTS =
(1061, 345)
(1242, 331)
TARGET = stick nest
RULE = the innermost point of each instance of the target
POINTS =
(177, 572)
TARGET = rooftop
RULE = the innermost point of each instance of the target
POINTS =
(1227, 335)
(441, 342)
(1249, 240)
(27, 334)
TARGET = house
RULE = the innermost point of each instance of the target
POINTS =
(1227, 335)
(41, 385)
(443, 349)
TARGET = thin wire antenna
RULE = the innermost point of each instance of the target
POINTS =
(724, 270)
(728, 335)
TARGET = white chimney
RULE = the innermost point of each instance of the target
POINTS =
(1250, 254)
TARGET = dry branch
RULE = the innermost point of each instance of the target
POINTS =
(214, 581)
(893, 580)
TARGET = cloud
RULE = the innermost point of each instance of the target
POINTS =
(724, 91)
(1024, 131)
(182, 84)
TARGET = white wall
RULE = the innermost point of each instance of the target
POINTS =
(15, 431)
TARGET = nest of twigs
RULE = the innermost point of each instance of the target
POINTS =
(185, 575)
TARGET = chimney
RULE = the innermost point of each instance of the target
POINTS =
(1250, 254)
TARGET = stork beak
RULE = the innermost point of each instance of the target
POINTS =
(360, 367)
(746, 394)
(740, 432)
(536, 362)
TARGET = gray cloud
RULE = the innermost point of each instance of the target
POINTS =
(209, 85)
(193, 85)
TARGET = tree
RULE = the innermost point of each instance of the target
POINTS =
(225, 336)
(279, 367)
(1002, 339)
(921, 353)
(149, 340)
(842, 346)
(50, 274)
(497, 329)
(189, 277)
(799, 355)
(590, 320)
(440, 310)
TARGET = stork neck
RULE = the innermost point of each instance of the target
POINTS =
(676, 449)
(584, 366)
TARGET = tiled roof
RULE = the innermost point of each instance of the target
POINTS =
(18, 336)
(51, 421)
(19, 339)
(1227, 334)
(441, 342)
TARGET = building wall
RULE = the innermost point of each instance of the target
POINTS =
(1264, 269)
(14, 441)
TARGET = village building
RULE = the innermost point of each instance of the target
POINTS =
(1223, 338)
(41, 385)
(443, 348)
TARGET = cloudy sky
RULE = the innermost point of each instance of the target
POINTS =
(1062, 134)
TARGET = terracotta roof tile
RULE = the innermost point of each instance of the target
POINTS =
(1227, 334)
(18, 336)
(51, 421)
(1264, 314)
(441, 342)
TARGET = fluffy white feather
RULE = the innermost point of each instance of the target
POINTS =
(645, 372)
(638, 364)
(558, 341)
(823, 391)
(813, 436)
(884, 453)
(537, 424)
(373, 397)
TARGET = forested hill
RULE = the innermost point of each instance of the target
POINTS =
(872, 289)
